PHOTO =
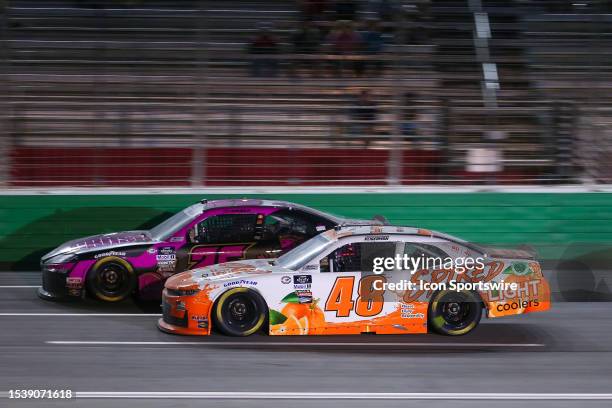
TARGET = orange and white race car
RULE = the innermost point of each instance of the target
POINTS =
(358, 279)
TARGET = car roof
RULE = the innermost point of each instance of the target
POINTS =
(351, 230)
(247, 202)
(250, 202)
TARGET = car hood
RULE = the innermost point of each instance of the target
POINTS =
(224, 272)
(101, 242)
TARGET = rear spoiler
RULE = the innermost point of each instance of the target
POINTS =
(522, 252)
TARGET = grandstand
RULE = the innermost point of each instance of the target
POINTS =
(154, 93)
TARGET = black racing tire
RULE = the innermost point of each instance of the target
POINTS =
(454, 313)
(111, 279)
(239, 312)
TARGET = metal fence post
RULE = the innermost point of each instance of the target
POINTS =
(396, 154)
(5, 117)
(198, 148)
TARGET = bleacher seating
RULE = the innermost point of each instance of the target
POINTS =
(167, 74)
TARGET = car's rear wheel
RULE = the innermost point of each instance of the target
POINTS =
(240, 312)
(111, 279)
(454, 313)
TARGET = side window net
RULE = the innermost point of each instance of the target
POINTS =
(221, 229)
(357, 257)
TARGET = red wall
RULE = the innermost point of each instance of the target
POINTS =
(86, 166)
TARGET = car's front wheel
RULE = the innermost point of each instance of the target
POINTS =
(111, 279)
(454, 313)
(240, 312)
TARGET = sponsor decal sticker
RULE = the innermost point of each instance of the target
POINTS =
(302, 279)
(240, 283)
(286, 280)
(377, 238)
(74, 283)
(109, 253)
(407, 311)
(302, 282)
(521, 304)
(521, 290)
(304, 296)
(518, 269)
(166, 259)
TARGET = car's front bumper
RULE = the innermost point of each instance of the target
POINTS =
(58, 284)
(53, 285)
(173, 329)
(180, 316)
(46, 295)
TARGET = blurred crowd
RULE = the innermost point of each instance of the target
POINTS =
(394, 75)
(347, 48)
(333, 38)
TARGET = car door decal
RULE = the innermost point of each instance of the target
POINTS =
(340, 299)
(369, 301)
(204, 255)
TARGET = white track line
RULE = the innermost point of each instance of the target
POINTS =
(346, 396)
(18, 286)
(83, 314)
(283, 343)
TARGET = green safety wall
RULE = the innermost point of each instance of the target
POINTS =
(30, 225)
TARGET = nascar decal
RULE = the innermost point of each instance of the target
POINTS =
(166, 259)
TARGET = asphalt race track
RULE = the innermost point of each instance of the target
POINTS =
(113, 355)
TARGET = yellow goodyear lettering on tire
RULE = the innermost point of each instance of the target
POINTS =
(121, 261)
(439, 321)
(227, 294)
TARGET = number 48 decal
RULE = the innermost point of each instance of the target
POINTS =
(369, 301)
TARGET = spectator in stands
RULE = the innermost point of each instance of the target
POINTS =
(306, 43)
(373, 44)
(344, 43)
(363, 115)
(264, 48)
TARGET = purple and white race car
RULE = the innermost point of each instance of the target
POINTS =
(111, 267)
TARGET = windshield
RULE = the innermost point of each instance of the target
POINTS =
(172, 224)
(298, 257)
